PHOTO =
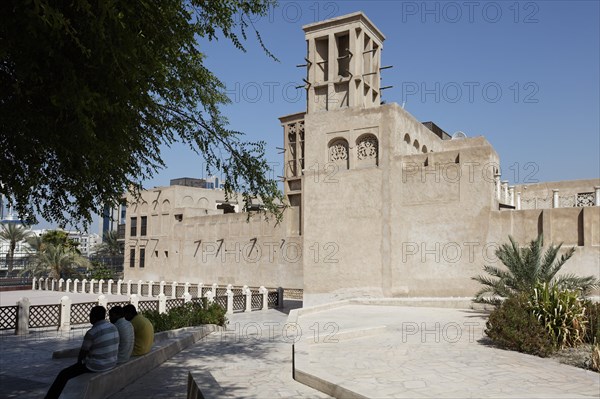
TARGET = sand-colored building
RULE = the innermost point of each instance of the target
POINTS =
(381, 204)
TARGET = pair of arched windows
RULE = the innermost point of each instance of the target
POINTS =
(367, 151)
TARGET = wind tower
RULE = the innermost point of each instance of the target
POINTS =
(343, 63)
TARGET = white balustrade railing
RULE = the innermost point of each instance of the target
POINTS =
(520, 201)
(66, 318)
(235, 298)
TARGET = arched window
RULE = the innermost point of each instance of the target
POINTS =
(187, 202)
(338, 152)
(416, 145)
(424, 149)
(203, 203)
(367, 150)
(407, 139)
(292, 156)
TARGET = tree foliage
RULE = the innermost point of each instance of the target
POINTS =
(56, 261)
(13, 233)
(91, 90)
(525, 268)
(110, 245)
(59, 237)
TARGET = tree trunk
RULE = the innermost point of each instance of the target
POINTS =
(9, 259)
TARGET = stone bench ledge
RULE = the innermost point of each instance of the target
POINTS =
(102, 385)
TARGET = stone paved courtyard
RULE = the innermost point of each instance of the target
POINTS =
(368, 350)
(417, 352)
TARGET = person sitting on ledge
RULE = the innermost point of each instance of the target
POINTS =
(116, 316)
(142, 329)
(98, 352)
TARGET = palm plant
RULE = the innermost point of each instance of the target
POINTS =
(34, 244)
(526, 267)
(110, 245)
(55, 261)
(12, 233)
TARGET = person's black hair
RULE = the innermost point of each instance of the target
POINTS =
(129, 309)
(116, 311)
(98, 313)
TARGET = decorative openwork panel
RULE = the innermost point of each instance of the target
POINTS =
(179, 291)
(291, 128)
(338, 151)
(80, 312)
(528, 203)
(145, 306)
(567, 201)
(134, 288)
(543, 203)
(202, 302)
(239, 303)
(44, 315)
(367, 148)
(585, 199)
(174, 303)
(221, 301)
(205, 290)
(237, 291)
(272, 299)
(221, 291)
(293, 294)
(113, 288)
(155, 290)
(193, 290)
(301, 149)
(8, 317)
(168, 290)
(256, 300)
(144, 289)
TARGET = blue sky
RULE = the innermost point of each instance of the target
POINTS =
(523, 74)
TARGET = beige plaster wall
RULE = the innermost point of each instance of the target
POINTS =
(440, 225)
(573, 227)
(416, 224)
(342, 209)
(223, 249)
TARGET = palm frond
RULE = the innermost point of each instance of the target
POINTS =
(555, 268)
(526, 267)
(548, 262)
(573, 282)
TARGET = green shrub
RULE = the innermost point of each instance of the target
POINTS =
(592, 315)
(514, 326)
(160, 321)
(561, 313)
(188, 315)
(100, 272)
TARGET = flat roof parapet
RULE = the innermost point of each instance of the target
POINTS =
(344, 20)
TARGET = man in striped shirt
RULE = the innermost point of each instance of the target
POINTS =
(98, 352)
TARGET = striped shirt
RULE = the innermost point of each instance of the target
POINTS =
(126, 339)
(102, 343)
